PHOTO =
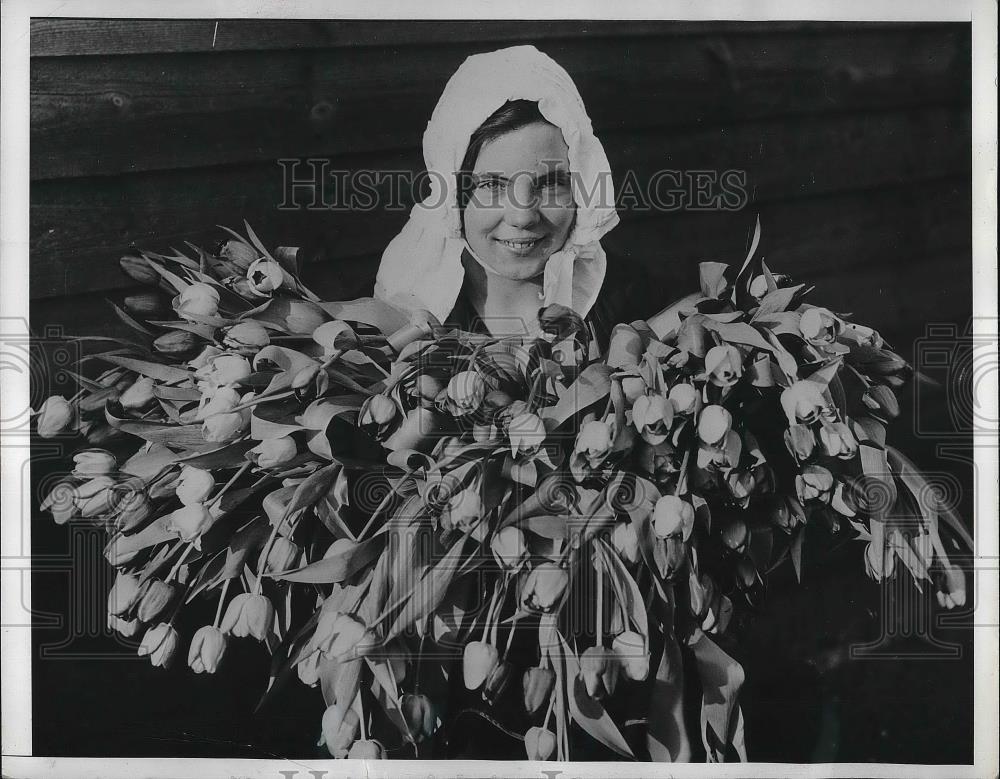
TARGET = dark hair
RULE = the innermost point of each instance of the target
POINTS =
(512, 115)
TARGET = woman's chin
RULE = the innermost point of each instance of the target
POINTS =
(516, 269)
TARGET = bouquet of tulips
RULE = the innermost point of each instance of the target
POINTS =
(395, 506)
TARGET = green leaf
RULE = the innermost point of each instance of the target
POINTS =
(128, 320)
(370, 311)
(311, 489)
(170, 277)
(228, 456)
(430, 590)
(593, 384)
(626, 590)
(711, 276)
(776, 302)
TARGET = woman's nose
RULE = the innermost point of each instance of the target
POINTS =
(521, 206)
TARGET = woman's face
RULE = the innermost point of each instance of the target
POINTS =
(521, 209)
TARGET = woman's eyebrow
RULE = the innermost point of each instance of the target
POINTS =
(556, 176)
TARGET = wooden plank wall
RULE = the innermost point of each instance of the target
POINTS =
(855, 139)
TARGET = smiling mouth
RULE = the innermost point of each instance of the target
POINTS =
(519, 246)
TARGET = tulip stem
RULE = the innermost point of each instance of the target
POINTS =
(548, 714)
(222, 600)
(600, 604)
(489, 611)
(180, 562)
(385, 502)
(260, 399)
(228, 484)
(682, 475)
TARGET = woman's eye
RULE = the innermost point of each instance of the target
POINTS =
(491, 185)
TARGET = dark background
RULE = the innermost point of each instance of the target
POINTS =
(856, 143)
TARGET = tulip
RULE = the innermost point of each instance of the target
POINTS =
(281, 556)
(625, 347)
(673, 518)
(599, 670)
(509, 547)
(124, 593)
(61, 502)
(274, 503)
(335, 336)
(820, 326)
(420, 430)
(178, 343)
(714, 423)
(330, 725)
(274, 452)
(685, 398)
(544, 587)
(420, 326)
(194, 485)
(264, 277)
(139, 269)
(539, 743)
(140, 394)
(478, 661)
(348, 631)
(366, 749)
(633, 387)
(735, 535)
(626, 542)
(418, 714)
(652, 417)
(758, 287)
(239, 253)
(246, 337)
(248, 614)
(217, 400)
(378, 410)
(701, 590)
(837, 440)
(148, 461)
(225, 369)
(784, 512)
(97, 400)
(303, 316)
(346, 735)
(741, 483)
(593, 445)
(497, 682)
(466, 391)
(204, 357)
(630, 648)
(221, 428)
(427, 388)
(724, 365)
(526, 433)
(880, 562)
(196, 301)
(124, 627)
(814, 483)
(803, 402)
(880, 398)
(207, 648)
(95, 497)
(160, 644)
(800, 441)
(950, 591)
(116, 555)
(537, 684)
(746, 573)
(191, 522)
(464, 510)
(155, 600)
(93, 462)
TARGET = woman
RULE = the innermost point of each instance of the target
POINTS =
(521, 194)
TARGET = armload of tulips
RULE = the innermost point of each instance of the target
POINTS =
(389, 503)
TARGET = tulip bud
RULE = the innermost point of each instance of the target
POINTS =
(509, 547)
(222, 428)
(950, 582)
(685, 398)
(194, 485)
(429, 387)
(378, 410)
(61, 502)
(625, 347)
(539, 743)
(814, 483)
(239, 253)
(724, 365)
(335, 336)
(630, 648)
(803, 402)
(139, 269)
(544, 587)
(497, 682)
(93, 462)
(820, 326)
(137, 396)
(196, 301)
(246, 337)
(208, 645)
(838, 440)
(526, 433)
(282, 556)
(160, 644)
(217, 400)
(97, 400)
(418, 714)
(626, 542)
(673, 518)
(735, 535)
(155, 600)
(599, 670)
(274, 452)
(592, 447)
(652, 417)
(801, 441)
(633, 388)
(248, 614)
(96, 496)
(191, 522)
(466, 391)
(702, 591)
(124, 593)
(880, 561)
(55, 416)
(333, 718)
(264, 277)
(146, 304)
(714, 423)
(478, 661)
(366, 749)
(538, 684)
(226, 369)
(123, 627)
(880, 398)
(205, 356)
